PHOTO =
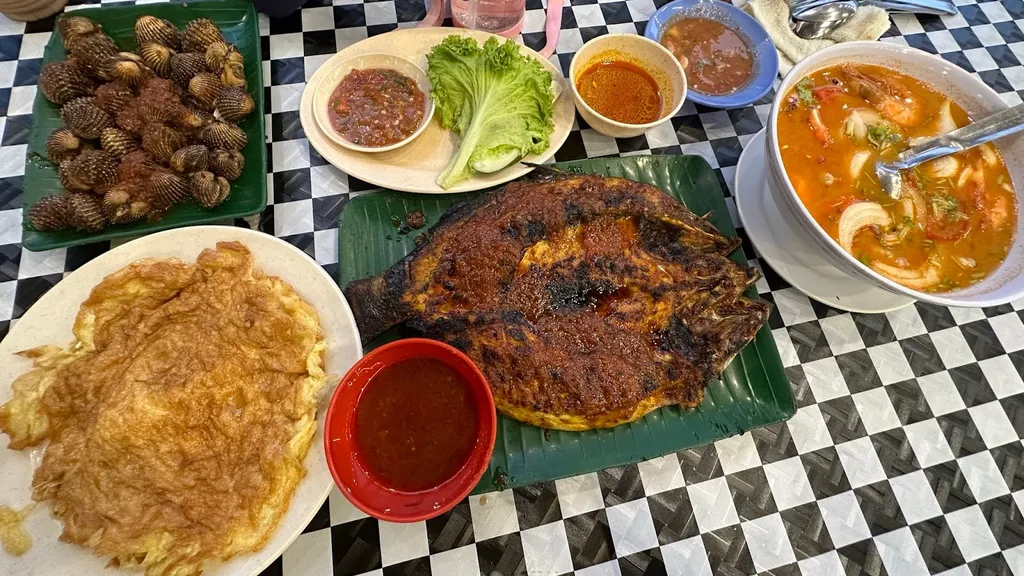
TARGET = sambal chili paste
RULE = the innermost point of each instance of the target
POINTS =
(376, 107)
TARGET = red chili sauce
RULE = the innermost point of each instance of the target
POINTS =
(376, 107)
(415, 425)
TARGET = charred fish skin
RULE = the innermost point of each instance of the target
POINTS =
(378, 301)
(586, 301)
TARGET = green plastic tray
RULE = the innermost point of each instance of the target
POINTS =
(753, 391)
(238, 22)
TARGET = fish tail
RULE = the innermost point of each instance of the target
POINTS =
(377, 302)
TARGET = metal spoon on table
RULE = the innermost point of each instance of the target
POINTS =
(1009, 121)
(817, 18)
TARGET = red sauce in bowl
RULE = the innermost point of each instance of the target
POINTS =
(416, 424)
(376, 107)
(410, 430)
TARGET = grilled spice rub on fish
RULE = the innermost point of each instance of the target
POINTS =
(586, 301)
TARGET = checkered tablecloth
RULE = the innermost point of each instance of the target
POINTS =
(904, 457)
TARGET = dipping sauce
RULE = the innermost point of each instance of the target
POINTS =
(376, 107)
(716, 59)
(415, 424)
(620, 91)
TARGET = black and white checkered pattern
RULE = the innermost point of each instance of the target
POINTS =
(904, 457)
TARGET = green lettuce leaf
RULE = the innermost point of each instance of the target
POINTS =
(497, 100)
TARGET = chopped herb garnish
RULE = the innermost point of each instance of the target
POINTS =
(908, 221)
(881, 134)
(804, 90)
(864, 259)
(945, 203)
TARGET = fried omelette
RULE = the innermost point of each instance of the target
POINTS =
(586, 301)
(179, 418)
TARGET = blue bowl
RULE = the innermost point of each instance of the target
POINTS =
(766, 60)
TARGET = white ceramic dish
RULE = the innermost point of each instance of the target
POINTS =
(643, 52)
(415, 167)
(775, 237)
(333, 76)
(1006, 283)
(49, 321)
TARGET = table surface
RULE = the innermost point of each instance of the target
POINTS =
(904, 456)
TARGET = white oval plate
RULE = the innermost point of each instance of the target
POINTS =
(415, 166)
(49, 321)
(322, 96)
(795, 258)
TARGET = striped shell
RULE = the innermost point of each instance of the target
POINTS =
(128, 68)
(86, 212)
(150, 29)
(118, 142)
(85, 118)
(62, 82)
(71, 28)
(50, 213)
(206, 89)
(190, 159)
(234, 104)
(167, 189)
(131, 212)
(158, 58)
(62, 145)
(224, 136)
(199, 34)
(93, 51)
(66, 176)
(161, 141)
(192, 119)
(96, 169)
(209, 191)
(113, 97)
(227, 163)
(185, 66)
(119, 195)
(216, 54)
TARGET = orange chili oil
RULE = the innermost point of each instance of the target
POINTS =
(376, 107)
(620, 91)
(415, 425)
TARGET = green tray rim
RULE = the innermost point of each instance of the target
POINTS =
(780, 406)
(255, 152)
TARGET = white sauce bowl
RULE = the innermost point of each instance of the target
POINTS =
(326, 87)
(663, 67)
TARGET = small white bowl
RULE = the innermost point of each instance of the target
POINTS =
(1005, 283)
(322, 96)
(654, 58)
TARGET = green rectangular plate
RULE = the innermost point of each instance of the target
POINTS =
(238, 22)
(753, 391)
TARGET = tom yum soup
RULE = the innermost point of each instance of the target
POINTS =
(955, 220)
(716, 59)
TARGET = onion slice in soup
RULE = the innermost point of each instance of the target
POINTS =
(858, 216)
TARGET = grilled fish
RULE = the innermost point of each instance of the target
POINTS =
(586, 301)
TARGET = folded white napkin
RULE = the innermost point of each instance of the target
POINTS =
(868, 23)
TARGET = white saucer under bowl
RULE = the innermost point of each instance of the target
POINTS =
(794, 258)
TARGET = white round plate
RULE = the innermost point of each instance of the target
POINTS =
(415, 166)
(322, 96)
(792, 257)
(49, 321)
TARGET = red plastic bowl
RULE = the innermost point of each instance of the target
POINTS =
(365, 492)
